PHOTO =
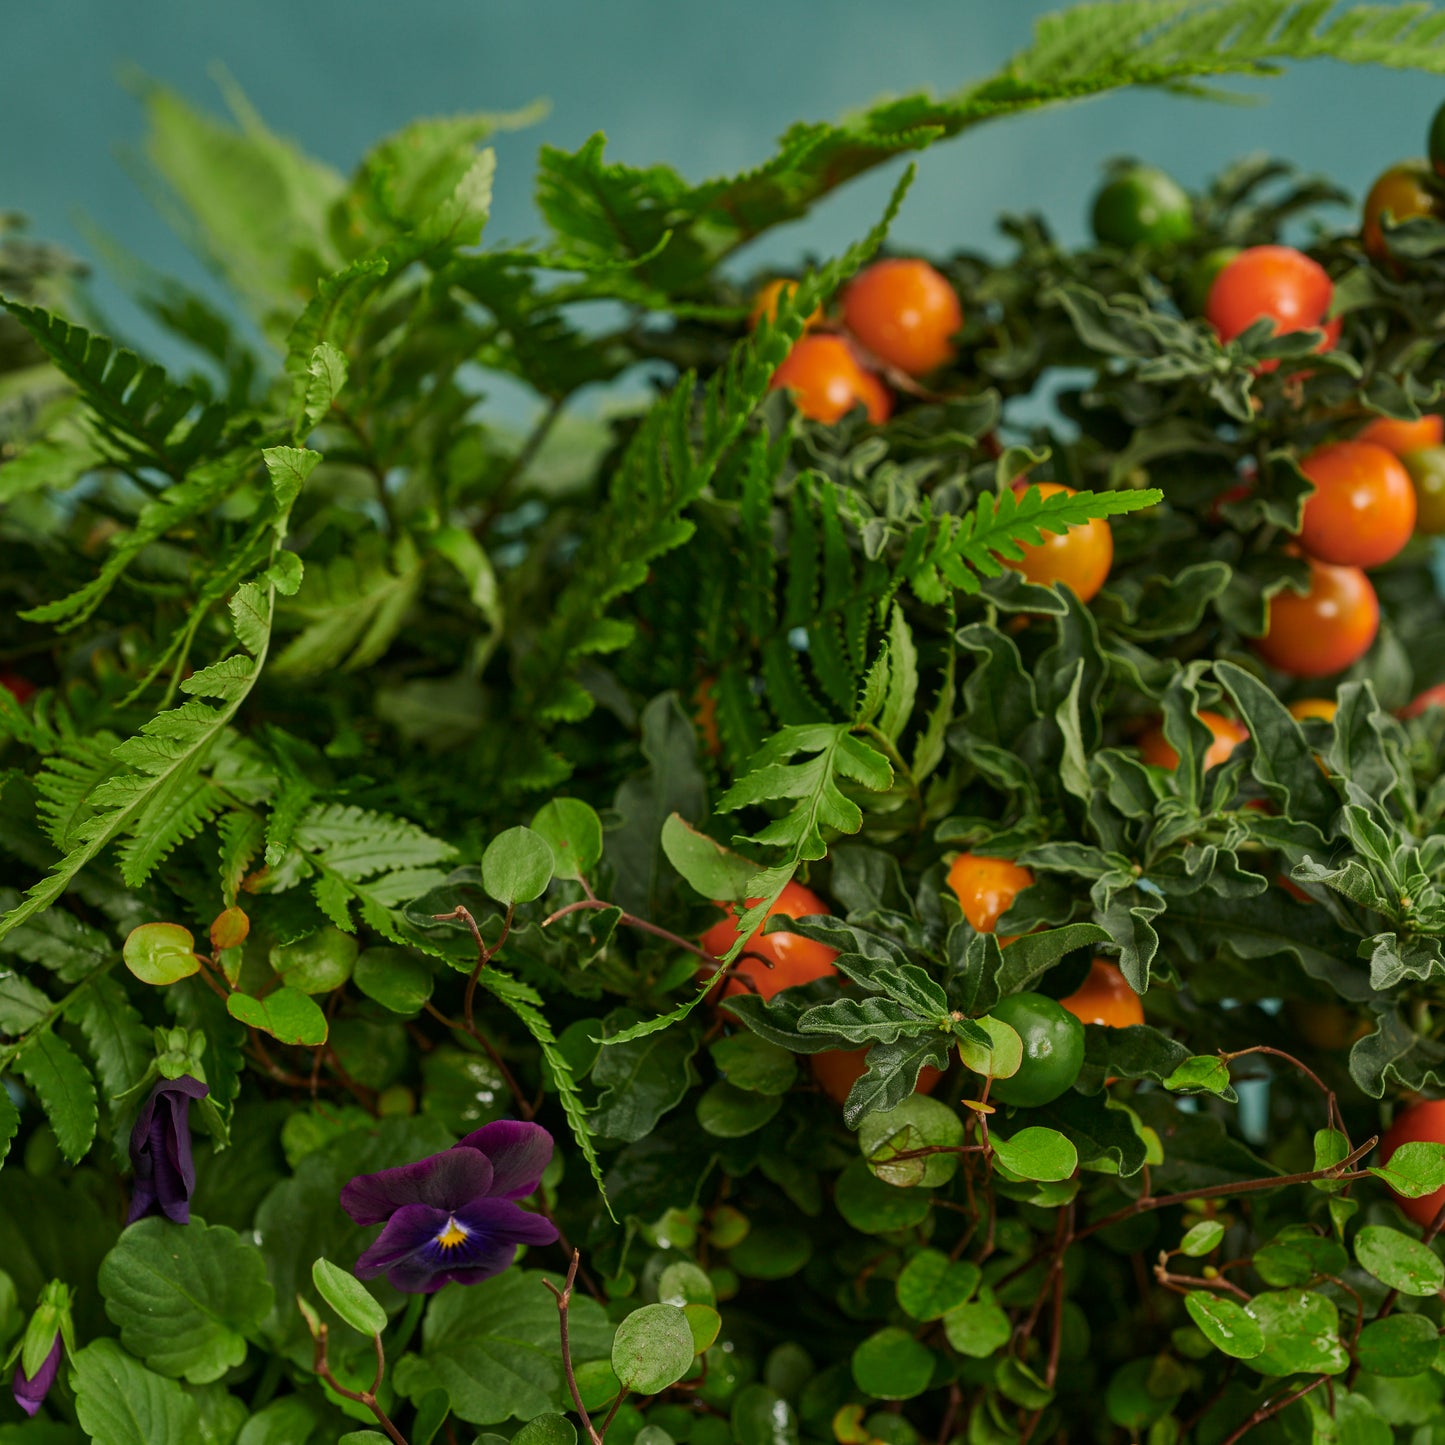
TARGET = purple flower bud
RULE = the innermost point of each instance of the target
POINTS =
(160, 1151)
(453, 1216)
(30, 1394)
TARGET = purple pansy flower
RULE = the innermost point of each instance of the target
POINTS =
(160, 1151)
(453, 1216)
(30, 1393)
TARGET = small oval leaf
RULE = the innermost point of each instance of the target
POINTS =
(160, 953)
(351, 1300)
(1226, 1325)
(653, 1348)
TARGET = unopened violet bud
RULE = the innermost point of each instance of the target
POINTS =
(30, 1391)
(160, 1151)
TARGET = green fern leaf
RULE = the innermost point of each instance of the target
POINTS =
(65, 1089)
(355, 844)
(526, 1004)
(661, 474)
(178, 810)
(120, 1043)
(242, 835)
(66, 780)
(204, 487)
(135, 407)
(350, 610)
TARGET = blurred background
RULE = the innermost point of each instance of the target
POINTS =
(706, 89)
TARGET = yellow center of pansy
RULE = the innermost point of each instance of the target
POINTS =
(453, 1235)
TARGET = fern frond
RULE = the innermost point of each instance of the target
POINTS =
(135, 406)
(800, 768)
(66, 780)
(205, 487)
(351, 609)
(355, 843)
(662, 472)
(607, 211)
(165, 757)
(173, 814)
(965, 548)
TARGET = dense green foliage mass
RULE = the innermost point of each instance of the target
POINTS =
(380, 764)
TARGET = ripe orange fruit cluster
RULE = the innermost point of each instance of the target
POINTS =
(900, 315)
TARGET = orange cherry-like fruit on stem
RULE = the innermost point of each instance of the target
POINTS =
(826, 381)
(1269, 283)
(1325, 629)
(1362, 511)
(1431, 697)
(1404, 436)
(905, 313)
(1105, 997)
(772, 962)
(986, 888)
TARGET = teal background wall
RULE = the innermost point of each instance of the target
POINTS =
(704, 87)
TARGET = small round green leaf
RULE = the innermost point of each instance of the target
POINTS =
(394, 978)
(1415, 1169)
(704, 1322)
(548, 1429)
(1225, 1324)
(1020, 1384)
(978, 1328)
(874, 1207)
(1301, 1333)
(362, 1437)
(1202, 1074)
(1397, 1260)
(889, 1140)
(573, 832)
(1037, 1153)
(517, 866)
(288, 1016)
(1399, 1345)
(653, 1348)
(351, 1300)
(727, 1112)
(1001, 1057)
(1131, 1399)
(685, 1283)
(160, 953)
(892, 1365)
(317, 963)
(1202, 1239)
(931, 1284)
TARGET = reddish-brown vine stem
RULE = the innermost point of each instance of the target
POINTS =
(563, 1297)
(366, 1398)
